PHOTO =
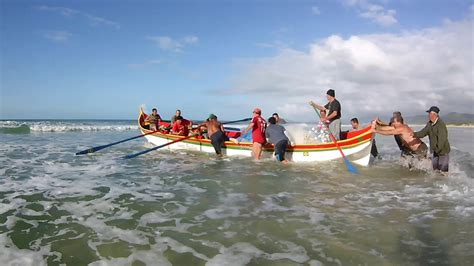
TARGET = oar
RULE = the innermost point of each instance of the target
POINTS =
(157, 147)
(236, 121)
(98, 148)
(350, 167)
(177, 140)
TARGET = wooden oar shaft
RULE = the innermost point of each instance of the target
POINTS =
(350, 167)
(98, 148)
(157, 147)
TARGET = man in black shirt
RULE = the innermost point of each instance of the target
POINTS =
(333, 110)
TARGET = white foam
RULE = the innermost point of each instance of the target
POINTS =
(236, 255)
(69, 126)
(292, 252)
(11, 255)
(154, 256)
(154, 217)
(465, 211)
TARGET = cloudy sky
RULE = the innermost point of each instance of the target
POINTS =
(105, 59)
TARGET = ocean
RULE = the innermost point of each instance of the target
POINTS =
(187, 208)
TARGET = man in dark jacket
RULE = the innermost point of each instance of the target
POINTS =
(439, 144)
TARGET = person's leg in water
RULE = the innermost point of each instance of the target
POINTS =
(257, 150)
(217, 139)
(280, 149)
(374, 151)
(440, 163)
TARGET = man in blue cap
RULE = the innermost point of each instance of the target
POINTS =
(438, 135)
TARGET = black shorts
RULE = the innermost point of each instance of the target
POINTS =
(280, 149)
(217, 139)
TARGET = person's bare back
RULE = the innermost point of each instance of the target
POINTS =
(406, 134)
(212, 127)
(401, 129)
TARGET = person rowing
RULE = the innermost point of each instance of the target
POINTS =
(416, 147)
(333, 109)
(153, 120)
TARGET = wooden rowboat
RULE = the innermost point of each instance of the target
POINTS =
(356, 146)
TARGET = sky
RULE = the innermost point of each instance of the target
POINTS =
(106, 59)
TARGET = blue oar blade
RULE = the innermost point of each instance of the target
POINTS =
(350, 166)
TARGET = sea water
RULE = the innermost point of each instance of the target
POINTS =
(188, 208)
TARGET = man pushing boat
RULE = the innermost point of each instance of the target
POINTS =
(417, 148)
(215, 131)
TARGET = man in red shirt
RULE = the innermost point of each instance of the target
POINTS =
(181, 126)
(258, 126)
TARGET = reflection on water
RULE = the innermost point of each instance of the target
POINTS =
(181, 208)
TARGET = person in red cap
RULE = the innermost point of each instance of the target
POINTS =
(258, 126)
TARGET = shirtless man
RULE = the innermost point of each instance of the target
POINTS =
(416, 147)
(404, 150)
(215, 131)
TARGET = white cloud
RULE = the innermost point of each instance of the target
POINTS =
(57, 36)
(190, 39)
(68, 12)
(167, 43)
(376, 13)
(315, 10)
(380, 15)
(98, 21)
(372, 74)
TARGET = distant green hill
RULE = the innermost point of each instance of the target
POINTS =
(451, 118)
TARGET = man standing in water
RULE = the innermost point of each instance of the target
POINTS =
(416, 147)
(258, 126)
(333, 110)
(438, 135)
(215, 131)
(276, 135)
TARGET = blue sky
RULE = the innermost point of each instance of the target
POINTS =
(105, 59)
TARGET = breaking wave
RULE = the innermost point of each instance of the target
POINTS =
(27, 126)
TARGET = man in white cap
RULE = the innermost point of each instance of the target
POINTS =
(438, 135)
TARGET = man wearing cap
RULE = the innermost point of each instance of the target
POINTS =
(258, 126)
(215, 131)
(438, 135)
(333, 110)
